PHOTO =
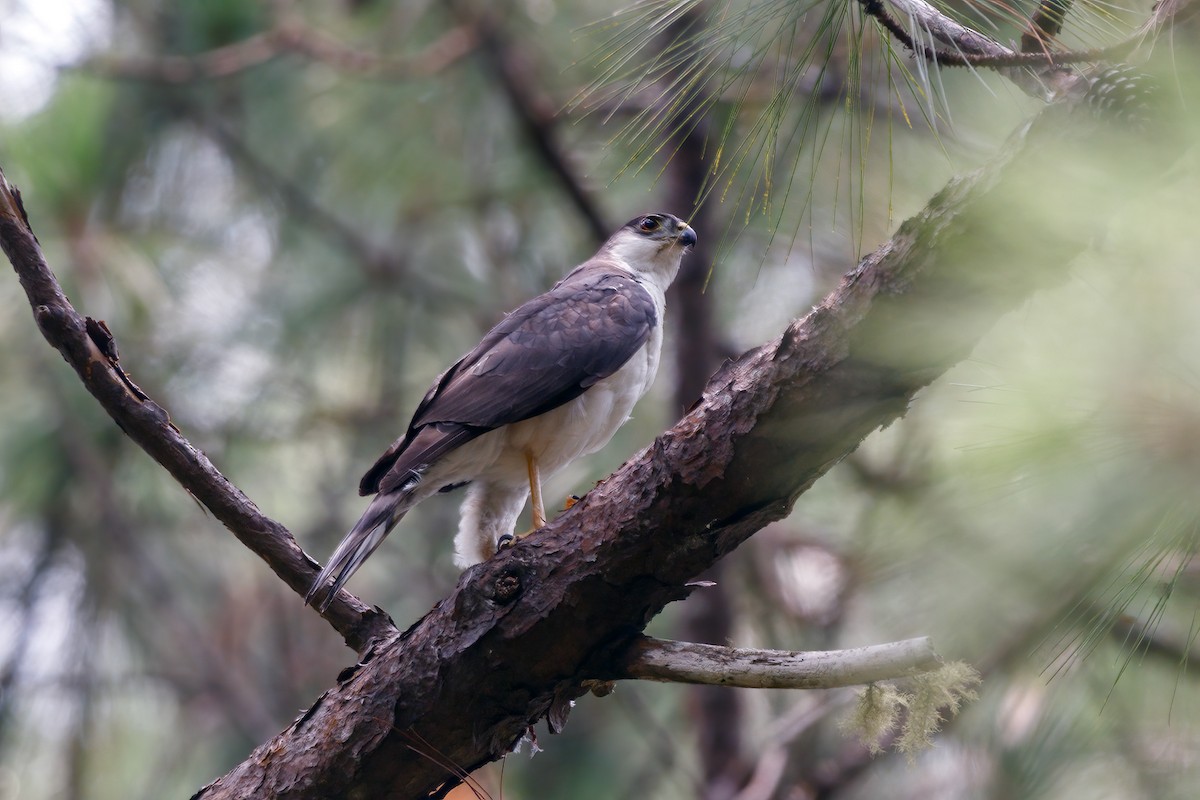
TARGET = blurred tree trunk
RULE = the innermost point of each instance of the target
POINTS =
(709, 616)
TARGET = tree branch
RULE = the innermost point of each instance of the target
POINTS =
(523, 632)
(1037, 72)
(288, 36)
(686, 662)
(90, 349)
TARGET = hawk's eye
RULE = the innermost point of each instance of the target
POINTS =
(648, 225)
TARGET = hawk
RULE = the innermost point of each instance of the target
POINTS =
(553, 381)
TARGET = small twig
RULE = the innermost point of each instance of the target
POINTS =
(446, 50)
(288, 37)
(220, 62)
(1044, 25)
(688, 662)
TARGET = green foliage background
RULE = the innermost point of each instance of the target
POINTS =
(288, 255)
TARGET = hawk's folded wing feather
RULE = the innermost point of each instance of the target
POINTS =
(542, 355)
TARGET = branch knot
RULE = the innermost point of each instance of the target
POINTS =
(507, 587)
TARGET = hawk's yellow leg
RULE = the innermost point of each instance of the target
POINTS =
(535, 491)
(535, 494)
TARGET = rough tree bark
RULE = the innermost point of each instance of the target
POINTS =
(522, 633)
(525, 633)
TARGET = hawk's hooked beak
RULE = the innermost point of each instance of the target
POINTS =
(687, 236)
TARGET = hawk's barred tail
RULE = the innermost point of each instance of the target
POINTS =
(372, 528)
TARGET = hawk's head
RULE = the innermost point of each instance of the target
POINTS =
(651, 243)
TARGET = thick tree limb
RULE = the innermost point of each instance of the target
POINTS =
(523, 632)
(89, 348)
(687, 662)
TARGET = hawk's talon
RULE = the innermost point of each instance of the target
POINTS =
(505, 541)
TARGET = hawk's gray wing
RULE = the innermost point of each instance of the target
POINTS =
(544, 354)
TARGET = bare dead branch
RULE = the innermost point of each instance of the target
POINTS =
(687, 662)
(91, 351)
